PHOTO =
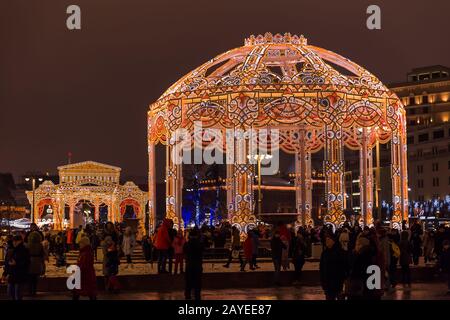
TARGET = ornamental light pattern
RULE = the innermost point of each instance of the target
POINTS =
(315, 98)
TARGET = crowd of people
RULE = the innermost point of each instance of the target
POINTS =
(346, 254)
(349, 252)
(430, 208)
(27, 254)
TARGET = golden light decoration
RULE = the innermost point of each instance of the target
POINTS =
(317, 100)
(91, 182)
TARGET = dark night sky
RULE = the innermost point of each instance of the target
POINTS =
(88, 91)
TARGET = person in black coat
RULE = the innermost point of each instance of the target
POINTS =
(416, 242)
(277, 247)
(171, 252)
(16, 268)
(298, 254)
(444, 261)
(147, 248)
(364, 255)
(193, 253)
(405, 258)
(333, 268)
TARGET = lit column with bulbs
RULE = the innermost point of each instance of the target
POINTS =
(33, 207)
(366, 179)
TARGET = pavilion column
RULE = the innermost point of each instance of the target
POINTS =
(108, 210)
(334, 176)
(179, 195)
(151, 188)
(242, 182)
(36, 215)
(97, 212)
(399, 180)
(173, 188)
(303, 186)
(58, 213)
(71, 214)
(112, 211)
(230, 190)
(366, 180)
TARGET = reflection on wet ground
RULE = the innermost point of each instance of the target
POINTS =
(419, 291)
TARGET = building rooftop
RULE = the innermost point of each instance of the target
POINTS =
(424, 75)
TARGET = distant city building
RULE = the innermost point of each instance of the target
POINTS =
(426, 96)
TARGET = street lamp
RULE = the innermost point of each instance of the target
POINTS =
(259, 158)
(33, 184)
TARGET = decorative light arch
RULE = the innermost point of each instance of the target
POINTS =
(315, 98)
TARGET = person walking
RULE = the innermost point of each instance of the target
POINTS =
(128, 243)
(69, 240)
(193, 252)
(37, 261)
(298, 255)
(147, 249)
(60, 249)
(87, 272)
(405, 258)
(162, 244)
(277, 246)
(16, 268)
(395, 253)
(428, 246)
(333, 268)
(80, 234)
(171, 252)
(235, 252)
(95, 242)
(344, 239)
(255, 245)
(384, 247)
(356, 288)
(110, 230)
(178, 245)
(444, 262)
(416, 242)
(248, 251)
(111, 265)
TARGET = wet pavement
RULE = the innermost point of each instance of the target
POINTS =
(418, 291)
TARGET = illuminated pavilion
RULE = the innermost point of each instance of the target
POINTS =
(87, 192)
(314, 98)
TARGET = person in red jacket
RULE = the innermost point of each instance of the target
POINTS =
(248, 251)
(178, 245)
(69, 240)
(87, 272)
(162, 243)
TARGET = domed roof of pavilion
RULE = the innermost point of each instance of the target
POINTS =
(275, 78)
(276, 60)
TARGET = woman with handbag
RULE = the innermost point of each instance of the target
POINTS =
(37, 260)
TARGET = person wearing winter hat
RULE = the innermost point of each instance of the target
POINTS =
(37, 260)
(344, 239)
(405, 258)
(333, 268)
(87, 271)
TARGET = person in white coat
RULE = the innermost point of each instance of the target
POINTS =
(128, 244)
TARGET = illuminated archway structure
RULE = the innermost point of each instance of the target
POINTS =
(315, 98)
(89, 181)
